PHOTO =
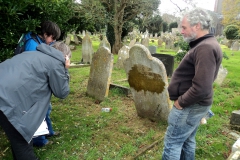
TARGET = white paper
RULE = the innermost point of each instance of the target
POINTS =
(42, 129)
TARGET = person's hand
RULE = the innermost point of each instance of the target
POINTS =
(67, 62)
(176, 104)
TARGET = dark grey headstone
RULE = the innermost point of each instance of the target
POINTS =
(235, 118)
(152, 49)
(167, 60)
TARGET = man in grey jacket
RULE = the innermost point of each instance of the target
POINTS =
(27, 82)
(191, 86)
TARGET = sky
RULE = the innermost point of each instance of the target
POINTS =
(166, 6)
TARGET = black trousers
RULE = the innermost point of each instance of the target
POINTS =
(21, 150)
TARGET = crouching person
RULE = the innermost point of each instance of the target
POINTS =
(27, 82)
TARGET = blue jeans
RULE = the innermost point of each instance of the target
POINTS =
(42, 140)
(179, 141)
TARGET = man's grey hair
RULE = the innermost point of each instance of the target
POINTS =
(199, 15)
(61, 46)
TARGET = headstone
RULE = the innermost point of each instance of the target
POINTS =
(222, 73)
(87, 49)
(76, 39)
(148, 82)
(123, 54)
(236, 146)
(235, 118)
(132, 42)
(83, 33)
(68, 40)
(175, 31)
(167, 60)
(235, 46)
(145, 42)
(100, 74)
(105, 43)
(160, 41)
(79, 39)
(152, 49)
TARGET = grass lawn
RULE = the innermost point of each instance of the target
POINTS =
(89, 134)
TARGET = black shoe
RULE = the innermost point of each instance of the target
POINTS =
(54, 135)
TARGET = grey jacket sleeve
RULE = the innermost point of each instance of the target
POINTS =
(59, 81)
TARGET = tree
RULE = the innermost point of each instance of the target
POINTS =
(231, 12)
(116, 13)
(231, 32)
(153, 24)
(165, 26)
(21, 16)
(172, 25)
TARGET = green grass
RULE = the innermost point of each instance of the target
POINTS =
(89, 134)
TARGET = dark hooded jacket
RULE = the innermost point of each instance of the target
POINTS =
(27, 82)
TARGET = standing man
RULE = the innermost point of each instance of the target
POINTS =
(191, 86)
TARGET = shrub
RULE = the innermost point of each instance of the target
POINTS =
(231, 32)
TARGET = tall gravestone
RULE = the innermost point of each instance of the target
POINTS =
(160, 41)
(132, 42)
(105, 43)
(100, 74)
(68, 40)
(87, 49)
(235, 46)
(76, 39)
(123, 54)
(222, 73)
(148, 83)
(145, 42)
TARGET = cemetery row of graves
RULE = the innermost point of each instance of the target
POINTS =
(133, 83)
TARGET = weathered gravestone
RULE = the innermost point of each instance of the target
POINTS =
(132, 42)
(235, 46)
(167, 60)
(123, 54)
(87, 49)
(76, 39)
(145, 42)
(100, 74)
(83, 33)
(160, 41)
(235, 120)
(152, 49)
(68, 40)
(148, 83)
(222, 73)
(105, 43)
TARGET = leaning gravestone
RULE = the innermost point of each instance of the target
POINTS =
(100, 74)
(87, 49)
(123, 54)
(148, 83)
(152, 49)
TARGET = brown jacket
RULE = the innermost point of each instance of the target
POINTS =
(193, 79)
